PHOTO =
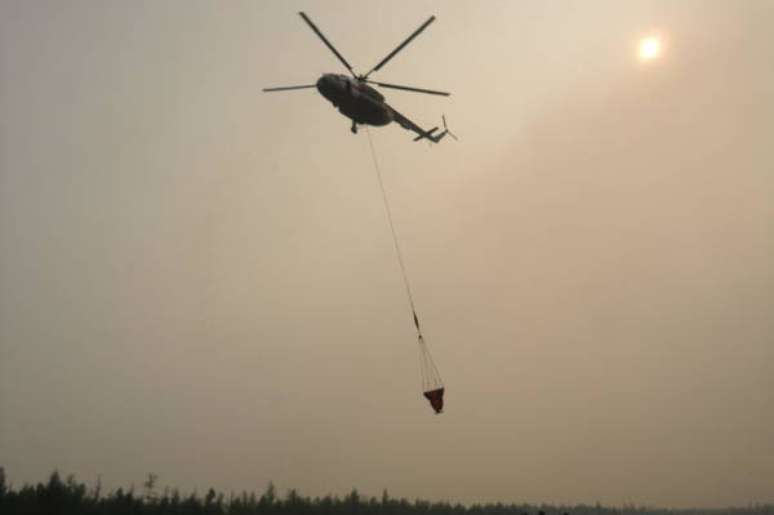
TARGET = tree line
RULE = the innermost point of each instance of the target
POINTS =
(68, 496)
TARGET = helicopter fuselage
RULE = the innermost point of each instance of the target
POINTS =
(355, 100)
(361, 103)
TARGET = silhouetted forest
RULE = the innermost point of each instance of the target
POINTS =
(68, 496)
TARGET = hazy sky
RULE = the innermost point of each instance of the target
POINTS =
(197, 279)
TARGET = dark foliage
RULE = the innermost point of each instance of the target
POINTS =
(69, 497)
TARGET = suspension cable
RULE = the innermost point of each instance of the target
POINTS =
(394, 235)
(430, 378)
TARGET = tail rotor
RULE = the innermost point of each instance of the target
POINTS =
(439, 137)
(446, 128)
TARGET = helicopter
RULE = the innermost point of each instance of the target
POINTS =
(358, 101)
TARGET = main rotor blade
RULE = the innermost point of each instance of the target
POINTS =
(286, 88)
(327, 43)
(408, 88)
(400, 47)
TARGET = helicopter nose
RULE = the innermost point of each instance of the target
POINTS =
(325, 83)
(330, 86)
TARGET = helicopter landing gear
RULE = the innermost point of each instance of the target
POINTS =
(353, 128)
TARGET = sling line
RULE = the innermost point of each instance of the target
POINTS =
(394, 235)
(432, 384)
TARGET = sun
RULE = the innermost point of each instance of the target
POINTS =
(650, 48)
